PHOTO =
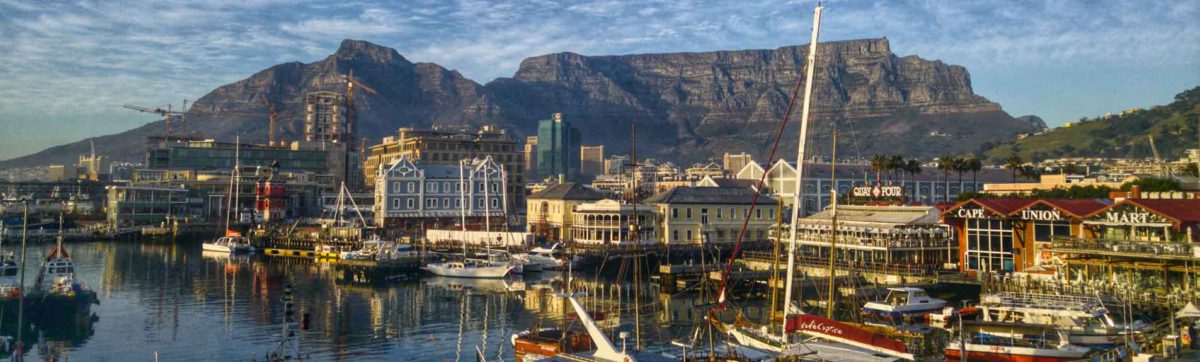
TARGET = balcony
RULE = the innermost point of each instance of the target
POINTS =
(852, 240)
(1169, 250)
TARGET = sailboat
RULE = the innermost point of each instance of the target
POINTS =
(233, 241)
(468, 268)
(56, 280)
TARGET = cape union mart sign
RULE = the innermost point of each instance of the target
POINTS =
(877, 191)
(1027, 214)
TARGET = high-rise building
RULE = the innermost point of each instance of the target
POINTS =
(615, 165)
(732, 163)
(447, 147)
(558, 148)
(325, 118)
(591, 160)
(531, 157)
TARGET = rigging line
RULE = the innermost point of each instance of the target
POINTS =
(853, 137)
(758, 189)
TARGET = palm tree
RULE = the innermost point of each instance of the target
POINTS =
(879, 163)
(974, 165)
(895, 164)
(1014, 164)
(946, 164)
(913, 168)
(1030, 172)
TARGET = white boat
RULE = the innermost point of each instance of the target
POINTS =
(543, 258)
(56, 279)
(10, 285)
(380, 250)
(229, 244)
(469, 269)
(1086, 320)
(902, 303)
(1013, 342)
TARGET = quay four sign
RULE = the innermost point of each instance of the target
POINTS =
(877, 191)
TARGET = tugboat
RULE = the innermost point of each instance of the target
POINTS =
(56, 282)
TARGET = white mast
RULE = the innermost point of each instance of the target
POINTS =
(487, 210)
(797, 200)
(237, 175)
(462, 195)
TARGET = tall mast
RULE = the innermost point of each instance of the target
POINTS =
(487, 211)
(237, 176)
(462, 195)
(797, 200)
(833, 230)
(637, 245)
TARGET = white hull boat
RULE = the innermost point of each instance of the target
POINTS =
(229, 244)
(469, 269)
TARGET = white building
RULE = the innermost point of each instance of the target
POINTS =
(408, 194)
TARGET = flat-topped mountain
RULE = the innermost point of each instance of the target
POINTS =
(687, 106)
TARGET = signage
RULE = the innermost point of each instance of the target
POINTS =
(877, 191)
(1127, 217)
(1040, 215)
(970, 213)
(838, 331)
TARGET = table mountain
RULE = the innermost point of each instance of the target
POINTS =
(688, 106)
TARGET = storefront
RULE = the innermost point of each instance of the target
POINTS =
(1012, 234)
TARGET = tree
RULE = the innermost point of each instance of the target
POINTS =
(946, 164)
(896, 165)
(913, 168)
(1014, 164)
(974, 165)
(1029, 172)
(1152, 184)
(878, 164)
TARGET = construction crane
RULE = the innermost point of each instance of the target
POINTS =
(167, 114)
(271, 120)
(350, 83)
(1158, 163)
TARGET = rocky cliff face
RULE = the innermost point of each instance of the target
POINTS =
(687, 106)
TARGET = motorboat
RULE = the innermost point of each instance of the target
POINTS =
(545, 258)
(56, 279)
(233, 243)
(470, 268)
(10, 285)
(1012, 342)
(901, 304)
(380, 250)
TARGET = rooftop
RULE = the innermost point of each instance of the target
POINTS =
(708, 195)
(567, 191)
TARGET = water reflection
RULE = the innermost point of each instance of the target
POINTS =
(185, 304)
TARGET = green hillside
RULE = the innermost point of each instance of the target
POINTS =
(1173, 126)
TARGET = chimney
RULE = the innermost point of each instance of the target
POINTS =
(1135, 192)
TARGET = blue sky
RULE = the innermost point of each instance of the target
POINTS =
(67, 67)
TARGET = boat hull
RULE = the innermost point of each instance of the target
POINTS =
(484, 272)
(987, 353)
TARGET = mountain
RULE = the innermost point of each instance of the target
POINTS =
(687, 106)
(1173, 126)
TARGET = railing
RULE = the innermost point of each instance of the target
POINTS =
(1108, 292)
(1142, 248)
(922, 270)
(886, 242)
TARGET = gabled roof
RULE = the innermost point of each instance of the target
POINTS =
(1079, 208)
(708, 195)
(1003, 207)
(567, 191)
(1183, 211)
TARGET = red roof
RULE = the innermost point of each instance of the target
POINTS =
(1183, 211)
(1077, 207)
(1003, 207)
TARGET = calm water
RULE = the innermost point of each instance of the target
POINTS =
(183, 304)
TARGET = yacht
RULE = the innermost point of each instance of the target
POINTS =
(545, 258)
(470, 268)
(232, 243)
(901, 304)
(1086, 320)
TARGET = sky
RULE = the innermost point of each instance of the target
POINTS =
(66, 68)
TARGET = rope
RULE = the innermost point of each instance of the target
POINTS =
(761, 179)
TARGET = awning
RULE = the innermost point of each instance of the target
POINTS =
(1188, 311)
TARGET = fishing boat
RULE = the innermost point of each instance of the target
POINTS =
(1012, 342)
(10, 285)
(902, 303)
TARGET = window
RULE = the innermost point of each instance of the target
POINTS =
(395, 203)
(689, 215)
(495, 203)
(431, 186)
(758, 214)
(1045, 231)
(732, 215)
(481, 203)
(411, 203)
(457, 203)
(431, 203)
(482, 187)
(689, 235)
(412, 187)
(718, 213)
(446, 187)
(395, 186)
(445, 203)
(496, 187)
(674, 234)
(675, 213)
(989, 245)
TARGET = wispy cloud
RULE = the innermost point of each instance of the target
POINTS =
(63, 62)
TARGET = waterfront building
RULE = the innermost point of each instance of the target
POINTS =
(889, 240)
(608, 222)
(699, 171)
(695, 215)
(208, 154)
(550, 212)
(591, 160)
(930, 186)
(1014, 234)
(144, 204)
(612, 186)
(1050, 182)
(1147, 245)
(429, 147)
(409, 193)
(558, 148)
(732, 163)
(531, 157)
(58, 172)
(270, 197)
(208, 190)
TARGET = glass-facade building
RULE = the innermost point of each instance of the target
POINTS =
(558, 149)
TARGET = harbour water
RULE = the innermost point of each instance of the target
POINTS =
(178, 303)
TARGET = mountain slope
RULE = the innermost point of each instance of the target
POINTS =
(688, 106)
(1173, 126)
